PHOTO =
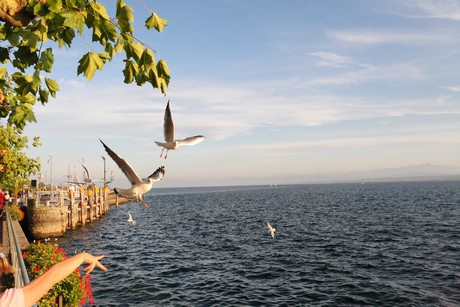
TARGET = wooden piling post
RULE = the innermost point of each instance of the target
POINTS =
(106, 199)
(83, 207)
(90, 204)
(71, 207)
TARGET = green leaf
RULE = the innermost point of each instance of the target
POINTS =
(154, 21)
(99, 9)
(141, 78)
(88, 65)
(28, 101)
(46, 60)
(3, 31)
(30, 39)
(104, 56)
(133, 50)
(110, 50)
(124, 17)
(119, 44)
(153, 78)
(36, 80)
(24, 58)
(36, 142)
(163, 86)
(147, 59)
(163, 70)
(54, 6)
(43, 95)
(42, 30)
(40, 9)
(4, 54)
(22, 113)
(103, 31)
(66, 37)
(13, 38)
(24, 83)
(130, 71)
(75, 20)
(52, 86)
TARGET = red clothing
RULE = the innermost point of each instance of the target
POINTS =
(2, 198)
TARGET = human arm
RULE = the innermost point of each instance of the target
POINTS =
(38, 287)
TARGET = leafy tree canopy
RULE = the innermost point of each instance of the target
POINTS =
(15, 165)
(25, 62)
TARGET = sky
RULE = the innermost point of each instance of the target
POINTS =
(281, 90)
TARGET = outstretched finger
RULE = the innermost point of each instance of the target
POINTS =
(92, 262)
(90, 268)
(101, 266)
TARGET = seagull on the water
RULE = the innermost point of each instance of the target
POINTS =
(138, 186)
(271, 230)
(168, 131)
(130, 219)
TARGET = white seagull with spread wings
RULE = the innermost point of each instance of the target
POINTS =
(168, 131)
(87, 177)
(130, 218)
(138, 186)
(271, 230)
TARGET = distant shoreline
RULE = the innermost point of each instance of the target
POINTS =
(328, 181)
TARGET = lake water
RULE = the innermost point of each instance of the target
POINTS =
(381, 244)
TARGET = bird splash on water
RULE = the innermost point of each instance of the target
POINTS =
(138, 186)
(168, 131)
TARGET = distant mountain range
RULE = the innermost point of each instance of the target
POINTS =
(426, 171)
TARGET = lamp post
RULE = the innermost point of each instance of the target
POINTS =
(39, 176)
(50, 162)
(105, 171)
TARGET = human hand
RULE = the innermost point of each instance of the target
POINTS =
(93, 261)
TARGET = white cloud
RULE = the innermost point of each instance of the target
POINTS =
(441, 9)
(331, 59)
(389, 73)
(400, 138)
(221, 111)
(455, 89)
(385, 36)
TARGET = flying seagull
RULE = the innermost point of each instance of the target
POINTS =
(168, 131)
(271, 230)
(138, 186)
(87, 177)
(130, 219)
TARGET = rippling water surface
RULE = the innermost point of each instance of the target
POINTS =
(345, 244)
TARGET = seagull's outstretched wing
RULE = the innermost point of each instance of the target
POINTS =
(271, 230)
(191, 140)
(86, 171)
(158, 174)
(130, 219)
(133, 177)
(168, 125)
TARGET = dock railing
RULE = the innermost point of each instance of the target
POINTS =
(21, 277)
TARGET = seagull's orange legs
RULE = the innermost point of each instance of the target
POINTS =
(139, 198)
(145, 204)
(161, 155)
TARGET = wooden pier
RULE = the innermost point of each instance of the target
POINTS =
(51, 214)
